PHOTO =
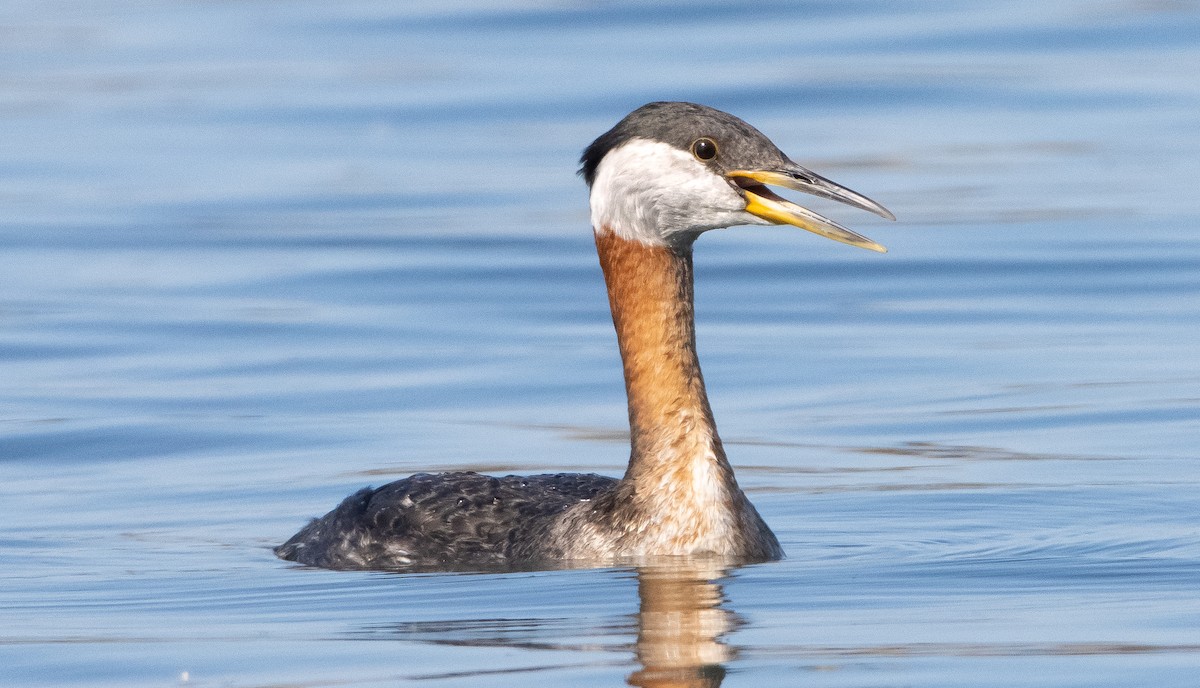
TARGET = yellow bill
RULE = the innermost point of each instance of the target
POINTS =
(764, 203)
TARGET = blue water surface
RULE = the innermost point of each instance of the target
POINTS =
(256, 255)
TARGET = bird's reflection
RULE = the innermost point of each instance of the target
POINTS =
(681, 627)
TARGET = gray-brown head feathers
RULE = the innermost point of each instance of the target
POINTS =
(680, 124)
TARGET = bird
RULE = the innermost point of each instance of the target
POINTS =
(662, 176)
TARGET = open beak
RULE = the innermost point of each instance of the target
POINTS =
(768, 205)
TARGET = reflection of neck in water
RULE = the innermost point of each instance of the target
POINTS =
(680, 627)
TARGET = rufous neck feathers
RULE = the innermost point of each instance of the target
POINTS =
(650, 293)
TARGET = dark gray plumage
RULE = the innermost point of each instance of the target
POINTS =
(443, 521)
(679, 124)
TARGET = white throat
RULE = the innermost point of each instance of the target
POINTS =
(656, 194)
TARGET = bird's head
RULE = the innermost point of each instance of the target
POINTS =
(669, 171)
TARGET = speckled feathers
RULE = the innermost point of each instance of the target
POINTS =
(444, 521)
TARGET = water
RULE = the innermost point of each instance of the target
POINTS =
(257, 255)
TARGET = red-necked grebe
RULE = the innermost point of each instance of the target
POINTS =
(662, 176)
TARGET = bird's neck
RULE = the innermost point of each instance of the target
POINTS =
(676, 453)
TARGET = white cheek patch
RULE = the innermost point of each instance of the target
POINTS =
(649, 191)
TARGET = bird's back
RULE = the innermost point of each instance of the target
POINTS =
(434, 520)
